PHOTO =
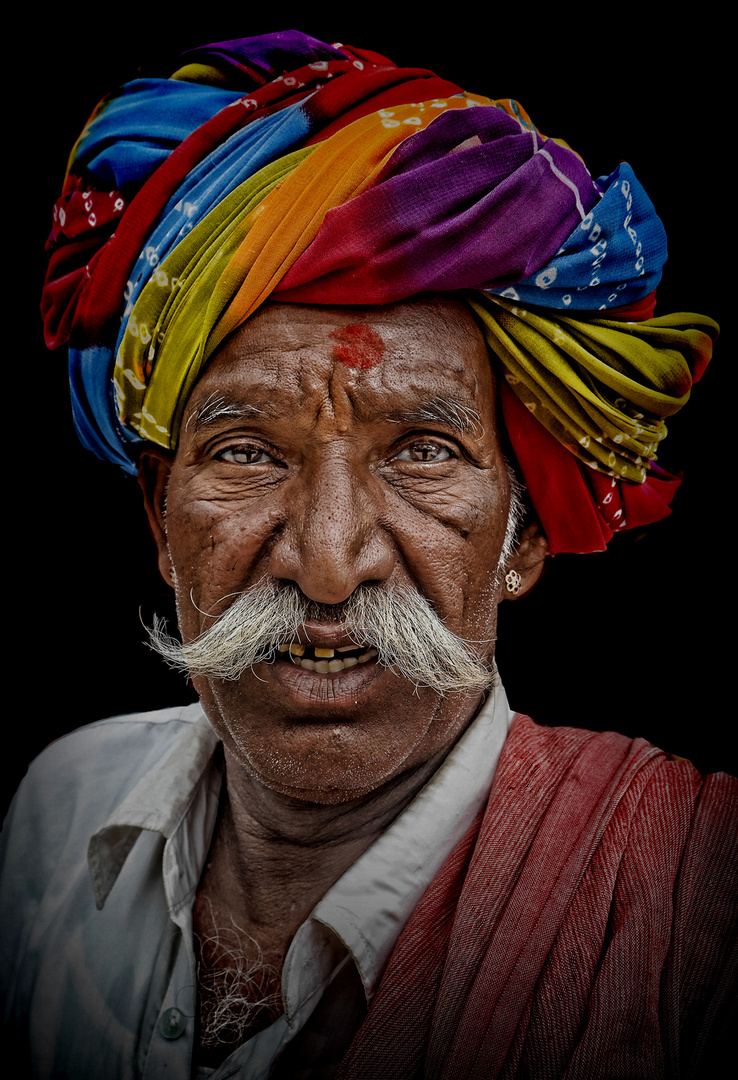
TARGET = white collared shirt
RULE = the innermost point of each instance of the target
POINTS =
(102, 852)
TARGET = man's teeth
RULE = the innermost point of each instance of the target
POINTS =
(325, 661)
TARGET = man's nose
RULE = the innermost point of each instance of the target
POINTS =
(334, 540)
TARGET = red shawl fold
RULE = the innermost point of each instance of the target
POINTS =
(584, 927)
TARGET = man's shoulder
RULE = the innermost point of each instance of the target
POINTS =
(149, 734)
(606, 784)
(91, 769)
(556, 748)
(129, 722)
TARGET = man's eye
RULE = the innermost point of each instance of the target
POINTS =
(244, 455)
(425, 452)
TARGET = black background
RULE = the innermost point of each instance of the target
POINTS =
(638, 639)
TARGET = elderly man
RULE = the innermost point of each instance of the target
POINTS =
(335, 314)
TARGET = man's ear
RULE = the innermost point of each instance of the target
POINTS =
(154, 467)
(527, 561)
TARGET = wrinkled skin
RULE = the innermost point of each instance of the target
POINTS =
(329, 485)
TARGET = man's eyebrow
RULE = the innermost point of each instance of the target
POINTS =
(463, 418)
(219, 407)
(447, 411)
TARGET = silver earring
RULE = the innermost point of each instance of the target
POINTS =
(513, 581)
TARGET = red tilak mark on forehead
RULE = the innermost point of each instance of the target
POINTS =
(357, 346)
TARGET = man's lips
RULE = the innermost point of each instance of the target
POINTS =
(322, 685)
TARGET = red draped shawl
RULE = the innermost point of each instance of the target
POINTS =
(584, 927)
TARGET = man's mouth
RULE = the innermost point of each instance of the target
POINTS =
(325, 661)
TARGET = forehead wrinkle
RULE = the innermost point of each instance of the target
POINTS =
(429, 360)
(318, 394)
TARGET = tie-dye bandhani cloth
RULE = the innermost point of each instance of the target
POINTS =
(280, 166)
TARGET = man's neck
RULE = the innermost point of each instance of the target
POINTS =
(274, 857)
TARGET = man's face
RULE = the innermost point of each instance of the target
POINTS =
(319, 448)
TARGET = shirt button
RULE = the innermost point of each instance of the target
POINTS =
(172, 1023)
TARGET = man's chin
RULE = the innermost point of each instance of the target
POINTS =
(330, 738)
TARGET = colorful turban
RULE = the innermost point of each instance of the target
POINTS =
(280, 166)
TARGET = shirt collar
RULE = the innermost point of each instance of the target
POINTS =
(159, 802)
(370, 904)
(366, 910)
